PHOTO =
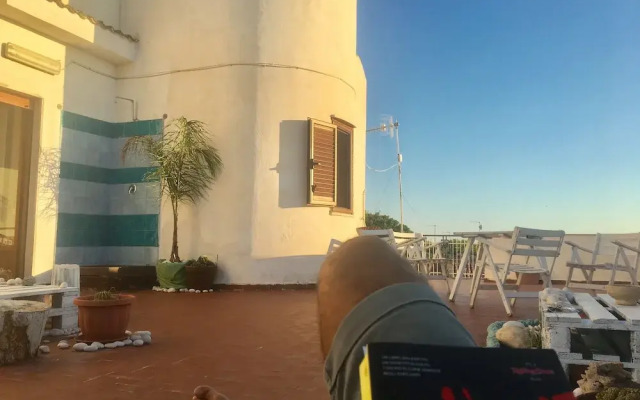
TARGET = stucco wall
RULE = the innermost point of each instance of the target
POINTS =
(254, 71)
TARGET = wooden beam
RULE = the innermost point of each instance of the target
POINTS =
(15, 100)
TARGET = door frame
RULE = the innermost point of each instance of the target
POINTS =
(27, 188)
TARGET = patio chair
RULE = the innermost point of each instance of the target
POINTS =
(427, 259)
(385, 234)
(333, 245)
(609, 253)
(536, 244)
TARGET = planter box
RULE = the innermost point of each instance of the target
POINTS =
(171, 275)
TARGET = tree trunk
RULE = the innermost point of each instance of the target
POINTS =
(21, 327)
(175, 257)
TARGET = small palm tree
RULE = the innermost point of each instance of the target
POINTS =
(186, 165)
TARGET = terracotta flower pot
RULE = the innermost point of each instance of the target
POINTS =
(103, 320)
(201, 277)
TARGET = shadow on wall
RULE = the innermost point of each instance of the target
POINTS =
(292, 164)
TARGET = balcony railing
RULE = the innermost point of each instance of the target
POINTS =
(437, 253)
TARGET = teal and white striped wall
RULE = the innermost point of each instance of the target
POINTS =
(99, 222)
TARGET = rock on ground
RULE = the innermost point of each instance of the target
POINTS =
(138, 343)
(80, 346)
(44, 349)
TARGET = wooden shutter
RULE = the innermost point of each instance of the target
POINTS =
(322, 163)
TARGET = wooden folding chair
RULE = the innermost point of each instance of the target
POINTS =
(526, 243)
(385, 234)
(609, 253)
(622, 261)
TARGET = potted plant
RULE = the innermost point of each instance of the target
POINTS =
(201, 273)
(186, 166)
(103, 316)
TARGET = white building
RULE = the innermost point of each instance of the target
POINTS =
(79, 76)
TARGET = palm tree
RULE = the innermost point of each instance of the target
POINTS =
(185, 164)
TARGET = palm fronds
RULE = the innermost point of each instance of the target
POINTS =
(184, 162)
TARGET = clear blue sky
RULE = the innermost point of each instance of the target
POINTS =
(511, 112)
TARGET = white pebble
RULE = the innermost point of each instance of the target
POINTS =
(64, 285)
(44, 349)
(91, 348)
(171, 290)
(110, 345)
(135, 337)
(146, 339)
(98, 345)
(197, 291)
(17, 281)
(127, 332)
(138, 343)
(192, 290)
(127, 342)
(141, 333)
(63, 345)
(119, 343)
(11, 282)
(80, 346)
(56, 332)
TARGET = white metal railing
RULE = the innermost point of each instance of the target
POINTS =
(437, 253)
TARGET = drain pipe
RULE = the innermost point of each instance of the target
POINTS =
(134, 107)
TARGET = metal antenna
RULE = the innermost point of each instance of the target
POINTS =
(391, 125)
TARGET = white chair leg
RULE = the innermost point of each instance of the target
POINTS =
(498, 282)
(478, 268)
(568, 282)
(518, 282)
(546, 280)
(443, 271)
(475, 285)
(634, 275)
(612, 281)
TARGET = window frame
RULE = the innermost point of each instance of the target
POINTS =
(348, 128)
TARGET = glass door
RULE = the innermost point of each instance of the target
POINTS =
(16, 131)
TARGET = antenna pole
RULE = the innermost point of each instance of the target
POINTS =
(399, 175)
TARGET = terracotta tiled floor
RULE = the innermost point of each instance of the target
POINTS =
(250, 345)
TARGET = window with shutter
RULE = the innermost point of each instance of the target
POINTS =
(344, 166)
(323, 139)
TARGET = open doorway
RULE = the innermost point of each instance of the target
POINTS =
(16, 137)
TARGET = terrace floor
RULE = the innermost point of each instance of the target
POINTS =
(247, 344)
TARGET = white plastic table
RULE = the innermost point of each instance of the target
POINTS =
(471, 238)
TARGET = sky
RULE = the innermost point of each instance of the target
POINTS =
(511, 113)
